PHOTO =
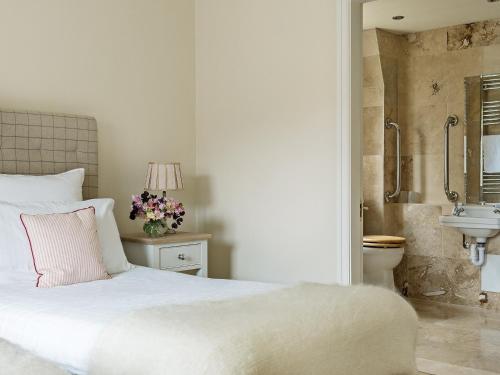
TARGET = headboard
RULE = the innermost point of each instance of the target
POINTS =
(37, 143)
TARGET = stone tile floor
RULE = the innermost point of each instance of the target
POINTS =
(457, 340)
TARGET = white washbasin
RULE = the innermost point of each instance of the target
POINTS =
(474, 220)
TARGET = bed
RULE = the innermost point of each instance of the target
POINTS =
(62, 324)
(145, 321)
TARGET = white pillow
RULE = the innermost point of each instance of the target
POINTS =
(15, 253)
(63, 187)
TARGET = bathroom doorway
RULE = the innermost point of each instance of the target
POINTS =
(423, 62)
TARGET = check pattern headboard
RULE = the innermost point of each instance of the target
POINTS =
(37, 143)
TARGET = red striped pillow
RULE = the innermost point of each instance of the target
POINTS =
(65, 247)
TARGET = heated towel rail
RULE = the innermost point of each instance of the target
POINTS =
(490, 116)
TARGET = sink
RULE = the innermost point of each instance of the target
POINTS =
(476, 221)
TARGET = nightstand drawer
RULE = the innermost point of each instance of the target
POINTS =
(180, 256)
(179, 252)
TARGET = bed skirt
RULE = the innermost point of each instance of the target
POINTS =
(307, 329)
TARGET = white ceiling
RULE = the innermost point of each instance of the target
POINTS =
(423, 15)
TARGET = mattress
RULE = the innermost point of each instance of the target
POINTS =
(62, 324)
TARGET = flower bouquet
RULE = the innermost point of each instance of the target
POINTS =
(157, 213)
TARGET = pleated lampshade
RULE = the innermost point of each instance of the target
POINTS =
(164, 176)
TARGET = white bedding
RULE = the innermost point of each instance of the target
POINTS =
(62, 324)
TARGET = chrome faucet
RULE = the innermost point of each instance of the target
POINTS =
(458, 210)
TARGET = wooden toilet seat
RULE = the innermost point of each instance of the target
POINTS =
(382, 241)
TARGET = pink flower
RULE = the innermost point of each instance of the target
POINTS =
(156, 208)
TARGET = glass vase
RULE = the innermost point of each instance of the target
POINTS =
(155, 228)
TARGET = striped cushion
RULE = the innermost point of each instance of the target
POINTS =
(65, 247)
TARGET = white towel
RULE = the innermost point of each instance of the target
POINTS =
(491, 153)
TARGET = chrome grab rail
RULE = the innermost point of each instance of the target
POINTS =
(452, 120)
(388, 195)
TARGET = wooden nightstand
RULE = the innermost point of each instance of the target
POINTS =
(182, 251)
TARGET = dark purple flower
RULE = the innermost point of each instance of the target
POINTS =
(145, 197)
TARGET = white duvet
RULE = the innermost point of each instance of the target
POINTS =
(62, 324)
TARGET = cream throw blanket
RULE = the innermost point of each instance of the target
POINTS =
(309, 329)
(16, 361)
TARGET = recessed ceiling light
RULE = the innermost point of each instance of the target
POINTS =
(492, 1)
(399, 18)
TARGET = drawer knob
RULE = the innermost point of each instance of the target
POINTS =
(181, 256)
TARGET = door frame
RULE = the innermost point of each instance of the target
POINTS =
(349, 140)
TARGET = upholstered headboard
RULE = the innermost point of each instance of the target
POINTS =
(46, 143)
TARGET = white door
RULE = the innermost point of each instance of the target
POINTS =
(349, 45)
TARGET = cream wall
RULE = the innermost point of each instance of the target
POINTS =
(265, 113)
(265, 128)
(129, 63)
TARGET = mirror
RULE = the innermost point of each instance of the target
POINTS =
(482, 139)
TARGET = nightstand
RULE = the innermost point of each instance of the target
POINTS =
(182, 251)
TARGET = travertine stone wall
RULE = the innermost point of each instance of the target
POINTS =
(373, 119)
(434, 258)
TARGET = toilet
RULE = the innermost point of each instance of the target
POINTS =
(381, 254)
